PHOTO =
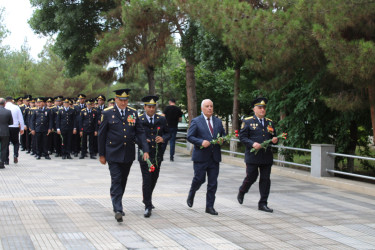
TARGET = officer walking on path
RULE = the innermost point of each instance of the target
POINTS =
(119, 128)
(88, 127)
(6, 119)
(255, 130)
(157, 135)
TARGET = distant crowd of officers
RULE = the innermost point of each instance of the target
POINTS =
(63, 126)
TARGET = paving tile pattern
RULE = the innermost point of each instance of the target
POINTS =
(65, 204)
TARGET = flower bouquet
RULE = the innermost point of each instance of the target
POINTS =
(151, 167)
(220, 140)
(156, 148)
(265, 144)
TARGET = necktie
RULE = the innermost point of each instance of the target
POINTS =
(209, 125)
(122, 113)
(151, 120)
(261, 122)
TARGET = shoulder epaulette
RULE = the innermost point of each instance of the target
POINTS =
(109, 108)
(132, 108)
(84, 109)
(248, 118)
(61, 108)
(34, 108)
(22, 105)
(267, 119)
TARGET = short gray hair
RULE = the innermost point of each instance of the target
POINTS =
(204, 101)
(2, 101)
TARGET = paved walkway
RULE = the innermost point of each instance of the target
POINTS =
(65, 204)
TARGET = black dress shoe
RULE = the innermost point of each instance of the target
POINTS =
(92, 157)
(38, 157)
(75, 154)
(147, 212)
(118, 217)
(68, 157)
(211, 210)
(64, 157)
(240, 197)
(47, 157)
(265, 208)
(15, 160)
(82, 157)
(28, 152)
(6, 162)
(122, 213)
(153, 207)
(190, 200)
(32, 153)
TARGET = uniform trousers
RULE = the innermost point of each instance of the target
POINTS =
(149, 180)
(14, 139)
(4, 141)
(23, 140)
(41, 143)
(66, 148)
(91, 138)
(57, 142)
(264, 180)
(211, 168)
(119, 176)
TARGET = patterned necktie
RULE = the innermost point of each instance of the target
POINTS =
(209, 125)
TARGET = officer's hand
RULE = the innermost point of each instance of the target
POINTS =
(102, 160)
(159, 139)
(257, 146)
(53, 130)
(206, 143)
(21, 132)
(148, 140)
(275, 140)
(59, 132)
(33, 132)
(48, 132)
(25, 127)
(80, 134)
(74, 131)
(146, 156)
(95, 133)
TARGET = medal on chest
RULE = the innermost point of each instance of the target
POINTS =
(131, 120)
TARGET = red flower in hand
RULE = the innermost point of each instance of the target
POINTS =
(236, 131)
(158, 128)
(152, 168)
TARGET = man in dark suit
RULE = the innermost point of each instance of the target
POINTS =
(6, 119)
(157, 135)
(255, 130)
(76, 139)
(56, 137)
(41, 126)
(117, 133)
(66, 127)
(88, 127)
(203, 129)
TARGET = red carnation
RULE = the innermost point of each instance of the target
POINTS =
(158, 128)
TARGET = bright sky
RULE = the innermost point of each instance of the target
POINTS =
(17, 13)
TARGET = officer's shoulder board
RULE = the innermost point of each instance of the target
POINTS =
(109, 108)
(132, 108)
(248, 118)
(22, 105)
(267, 119)
(61, 108)
(35, 108)
(84, 109)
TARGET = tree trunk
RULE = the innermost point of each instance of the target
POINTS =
(191, 91)
(280, 156)
(150, 71)
(235, 119)
(352, 145)
(371, 97)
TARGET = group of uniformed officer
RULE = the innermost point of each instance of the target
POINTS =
(61, 125)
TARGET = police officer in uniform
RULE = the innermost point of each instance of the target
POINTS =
(31, 146)
(111, 102)
(24, 109)
(101, 106)
(76, 141)
(255, 130)
(88, 127)
(66, 127)
(119, 128)
(56, 137)
(157, 133)
(50, 146)
(41, 125)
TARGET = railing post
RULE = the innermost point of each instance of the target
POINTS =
(320, 160)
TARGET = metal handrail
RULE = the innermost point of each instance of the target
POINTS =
(293, 163)
(352, 156)
(350, 174)
(291, 148)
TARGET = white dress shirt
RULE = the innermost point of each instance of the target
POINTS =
(17, 116)
(148, 118)
(210, 121)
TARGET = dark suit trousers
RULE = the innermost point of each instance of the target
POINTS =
(23, 139)
(57, 142)
(14, 139)
(264, 180)
(211, 168)
(66, 141)
(4, 140)
(149, 180)
(41, 143)
(119, 176)
(91, 137)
